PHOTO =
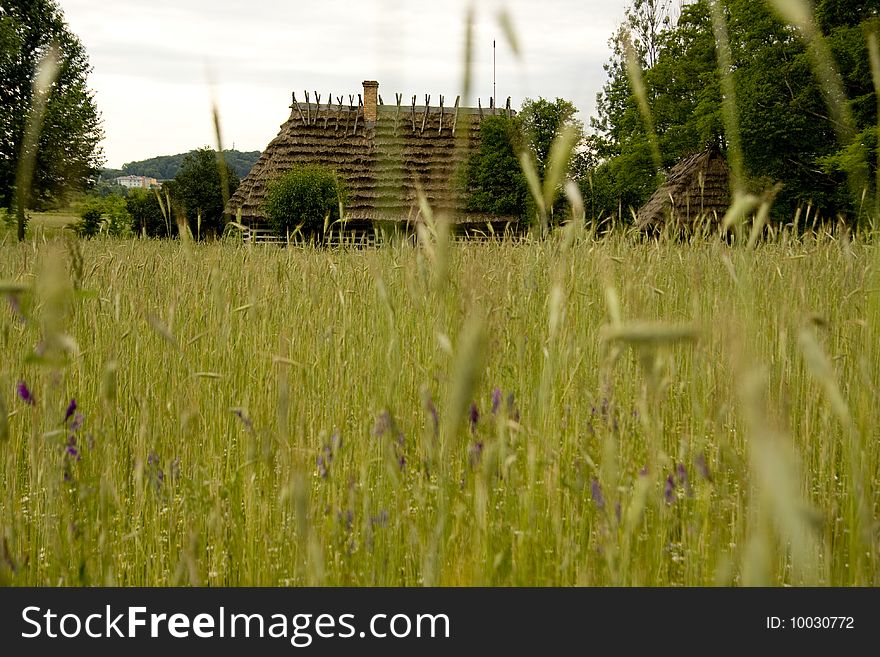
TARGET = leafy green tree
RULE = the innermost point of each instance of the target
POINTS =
(68, 151)
(786, 131)
(494, 182)
(146, 213)
(197, 192)
(541, 120)
(306, 197)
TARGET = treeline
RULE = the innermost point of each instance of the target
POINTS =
(166, 167)
(824, 155)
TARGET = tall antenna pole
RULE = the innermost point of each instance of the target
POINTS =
(493, 74)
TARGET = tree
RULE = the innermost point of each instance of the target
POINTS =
(197, 191)
(146, 213)
(787, 133)
(646, 21)
(495, 183)
(68, 155)
(305, 197)
(541, 120)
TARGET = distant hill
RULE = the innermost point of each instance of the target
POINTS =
(165, 167)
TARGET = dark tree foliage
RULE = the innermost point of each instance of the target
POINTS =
(68, 153)
(165, 167)
(541, 120)
(495, 183)
(306, 197)
(197, 192)
(146, 213)
(787, 133)
(493, 178)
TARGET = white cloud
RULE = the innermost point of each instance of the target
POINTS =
(153, 60)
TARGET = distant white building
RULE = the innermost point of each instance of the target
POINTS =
(136, 182)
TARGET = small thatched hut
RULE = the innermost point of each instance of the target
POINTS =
(696, 193)
(383, 154)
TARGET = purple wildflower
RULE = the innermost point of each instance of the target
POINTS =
(669, 490)
(152, 459)
(496, 400)
(596, 491)
(473, 417)
(476, 453)
(77, 421)
(71, 409)
(70, 449)
(347, 519)
(401, 461)
(381, 519)
(682, 476)
(25, 394)
(323, 471)
(702, 466)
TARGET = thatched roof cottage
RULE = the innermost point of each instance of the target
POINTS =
(382, 152)
(696, 193)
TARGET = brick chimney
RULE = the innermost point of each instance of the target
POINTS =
(371, 101)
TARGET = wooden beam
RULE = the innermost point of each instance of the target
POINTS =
(414, 114)
(398, 98)
(480, 107)
(338, 114)
(425, 117)
(317, 106)
(329, 105)
(455, 116)
(508, 107)
(440, 129)
(298, 108)
(308, 108)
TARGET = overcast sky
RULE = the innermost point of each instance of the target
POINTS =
(158, 62)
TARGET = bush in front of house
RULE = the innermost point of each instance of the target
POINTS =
(306, 197)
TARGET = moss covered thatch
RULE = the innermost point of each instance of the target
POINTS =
(696, 192)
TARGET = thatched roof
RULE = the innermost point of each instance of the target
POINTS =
(697, 190)
(381, 161)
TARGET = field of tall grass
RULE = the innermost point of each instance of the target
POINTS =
(569, 411)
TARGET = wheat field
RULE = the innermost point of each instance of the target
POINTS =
(570, 411)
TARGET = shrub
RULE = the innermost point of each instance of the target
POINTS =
(306, 197)
(198, 194)
(107, 216)
(494, 181)
(146, 214)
